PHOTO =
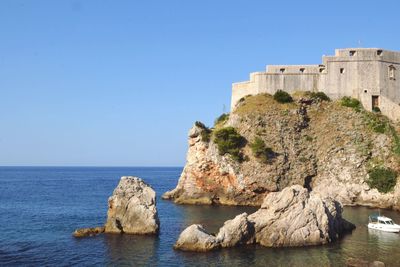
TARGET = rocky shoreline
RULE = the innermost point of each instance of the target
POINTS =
(293, 217)
(290, 218)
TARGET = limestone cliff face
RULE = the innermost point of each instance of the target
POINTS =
(323, 146)
(211, 178)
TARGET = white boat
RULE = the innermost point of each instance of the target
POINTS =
(382, 223)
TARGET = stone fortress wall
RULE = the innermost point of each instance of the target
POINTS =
(371, 75)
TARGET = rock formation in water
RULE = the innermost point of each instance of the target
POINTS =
(290, 218)
(195, 238)
(324, 146)
(84, 232)
(132, 208)
(238, 231)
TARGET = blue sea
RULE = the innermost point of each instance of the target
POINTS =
(40, 207)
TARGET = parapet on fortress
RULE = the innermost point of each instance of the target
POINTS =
(368, 74)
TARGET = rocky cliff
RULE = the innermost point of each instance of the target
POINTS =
(324, 146)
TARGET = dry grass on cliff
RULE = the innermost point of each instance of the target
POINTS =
(261, 103)
(332, 123)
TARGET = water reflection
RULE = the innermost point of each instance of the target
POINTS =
(149, 250)
(131, 250)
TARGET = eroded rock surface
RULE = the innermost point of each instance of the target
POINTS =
(211, 178)
(323, 146)
(290, 218)
(294, 217)
(238, 231)
(195, 238)
(132, 208)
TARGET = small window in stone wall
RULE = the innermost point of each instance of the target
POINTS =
(392, 72)
(302, 70)
(341, 70)
(352, 53)
(379, 52)
(282, 70)
(321, 70)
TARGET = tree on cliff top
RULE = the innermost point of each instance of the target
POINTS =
(282, 97)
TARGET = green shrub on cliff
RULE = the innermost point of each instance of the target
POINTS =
(282, 97)
(221, 119)
(396, 140)
(383, 179)
(376, 122)
(351, 103)
(200, 124)
(376, 109)
(260, 150)
(205, 134)
(229, 141)
(321, 96)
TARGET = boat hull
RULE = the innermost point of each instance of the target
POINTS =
(384, 228)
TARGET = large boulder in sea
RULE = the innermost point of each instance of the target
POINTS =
(196, 238)
(290, 218)
(132, 208)
(294, 217)
(238, 231)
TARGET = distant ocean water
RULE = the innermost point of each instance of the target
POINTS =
(40, 207)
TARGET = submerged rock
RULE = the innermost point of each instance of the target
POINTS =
(293, 217)
(84, 232)
(132, 208)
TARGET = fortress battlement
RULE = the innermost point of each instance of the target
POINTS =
(368, 74)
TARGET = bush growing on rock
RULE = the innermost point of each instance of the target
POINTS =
(282, 97)
(229, 141)
(375, 122)
(376, 109)
(221, 119)
(260, 150)
(321, 96)
(383, 179)
(396, 140)
(205, 133)
(351, 103)
(200, 124)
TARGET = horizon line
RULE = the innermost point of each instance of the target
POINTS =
(90, 166)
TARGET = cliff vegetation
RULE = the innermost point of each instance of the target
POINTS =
(335, 148)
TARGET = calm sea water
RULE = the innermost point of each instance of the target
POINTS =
(40, 207)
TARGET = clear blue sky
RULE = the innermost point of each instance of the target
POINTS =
(119, 83)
